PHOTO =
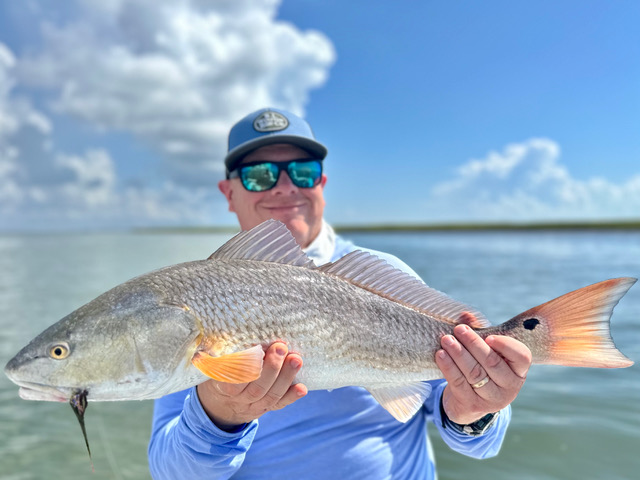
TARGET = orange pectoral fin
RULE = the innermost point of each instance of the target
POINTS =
(240, 367)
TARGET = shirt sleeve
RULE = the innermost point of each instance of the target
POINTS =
(185, 443)
(483, 446)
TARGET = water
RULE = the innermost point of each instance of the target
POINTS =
(568, 423)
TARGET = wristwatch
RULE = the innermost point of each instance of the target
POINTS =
(475, 429)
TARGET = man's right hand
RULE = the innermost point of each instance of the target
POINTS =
(231, 405)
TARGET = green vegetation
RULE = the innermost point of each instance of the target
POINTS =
(426, 227)
(480, 226)
(230, 230)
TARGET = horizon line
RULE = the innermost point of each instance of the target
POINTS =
(365, 227)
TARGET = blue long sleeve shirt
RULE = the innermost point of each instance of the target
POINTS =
(342, 433)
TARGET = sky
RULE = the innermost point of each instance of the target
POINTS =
(114, 114)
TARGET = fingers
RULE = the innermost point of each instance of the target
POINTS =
(281, 392)
(450, 369)
(271, 368)
(516, 354)
(294, 393)
(272, 363)
(233, 404)
(497, 367)
(478, 360)
(460, 401)
(462, 369)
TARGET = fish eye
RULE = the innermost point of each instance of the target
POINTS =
(59, 351)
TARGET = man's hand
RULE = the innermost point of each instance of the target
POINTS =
(467, 360)
(230, 405)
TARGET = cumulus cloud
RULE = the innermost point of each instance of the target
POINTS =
(527, 182)
(41, 188)
(22, 129)
(176, 73)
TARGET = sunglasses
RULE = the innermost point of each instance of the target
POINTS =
(262, 176)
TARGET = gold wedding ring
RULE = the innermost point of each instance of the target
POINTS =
(481, 383)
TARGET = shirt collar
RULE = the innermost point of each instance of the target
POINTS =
(322, 247)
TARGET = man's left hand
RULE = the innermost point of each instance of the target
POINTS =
(496, 366)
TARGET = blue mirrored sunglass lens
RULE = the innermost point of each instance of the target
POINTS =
(264, 176)
(257, 178)
(305, 174)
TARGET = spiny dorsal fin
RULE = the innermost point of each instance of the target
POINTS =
(376, 275)
(271, 241)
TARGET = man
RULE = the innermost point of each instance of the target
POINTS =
(272, 428)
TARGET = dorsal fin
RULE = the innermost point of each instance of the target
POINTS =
(271, 241)
(376, 275)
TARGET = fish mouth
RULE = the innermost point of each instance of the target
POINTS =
(47, 393)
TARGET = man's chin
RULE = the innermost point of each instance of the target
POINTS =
(298, 227)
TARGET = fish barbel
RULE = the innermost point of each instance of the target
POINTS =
(356, 322)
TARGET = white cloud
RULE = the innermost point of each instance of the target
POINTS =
(173, 74)
(526, 181)
(41, 188)
(177, 74)
(88, 195)
(18, 120)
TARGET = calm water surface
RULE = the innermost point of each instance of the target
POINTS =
(568, 423)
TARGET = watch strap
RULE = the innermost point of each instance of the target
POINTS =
(475, 429)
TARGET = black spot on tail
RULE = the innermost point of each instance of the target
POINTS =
(531, 323)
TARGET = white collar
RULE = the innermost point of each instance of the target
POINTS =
(322, 247)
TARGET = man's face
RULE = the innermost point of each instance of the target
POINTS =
(300, 209)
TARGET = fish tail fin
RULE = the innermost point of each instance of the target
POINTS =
(573, 330)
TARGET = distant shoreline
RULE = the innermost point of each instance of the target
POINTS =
(614, 225)
(498, 226)
(427, 227)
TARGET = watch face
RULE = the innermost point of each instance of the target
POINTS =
(480, 426)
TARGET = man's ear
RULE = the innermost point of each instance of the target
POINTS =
(225, 187)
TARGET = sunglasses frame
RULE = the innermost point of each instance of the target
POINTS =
(281, 166)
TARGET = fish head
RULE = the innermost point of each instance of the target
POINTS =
(125, 344)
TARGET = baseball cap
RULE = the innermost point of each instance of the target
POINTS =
(268, 126)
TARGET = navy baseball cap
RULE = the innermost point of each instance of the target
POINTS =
(268, 126)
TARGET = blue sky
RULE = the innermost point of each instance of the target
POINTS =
(114, 113)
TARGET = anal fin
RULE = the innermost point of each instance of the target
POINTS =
(239, 367)
(402, 401)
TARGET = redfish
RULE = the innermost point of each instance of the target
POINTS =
(356, 322)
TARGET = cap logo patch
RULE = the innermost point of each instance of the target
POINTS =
(270, 122)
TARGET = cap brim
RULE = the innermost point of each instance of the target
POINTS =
(313, 147)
